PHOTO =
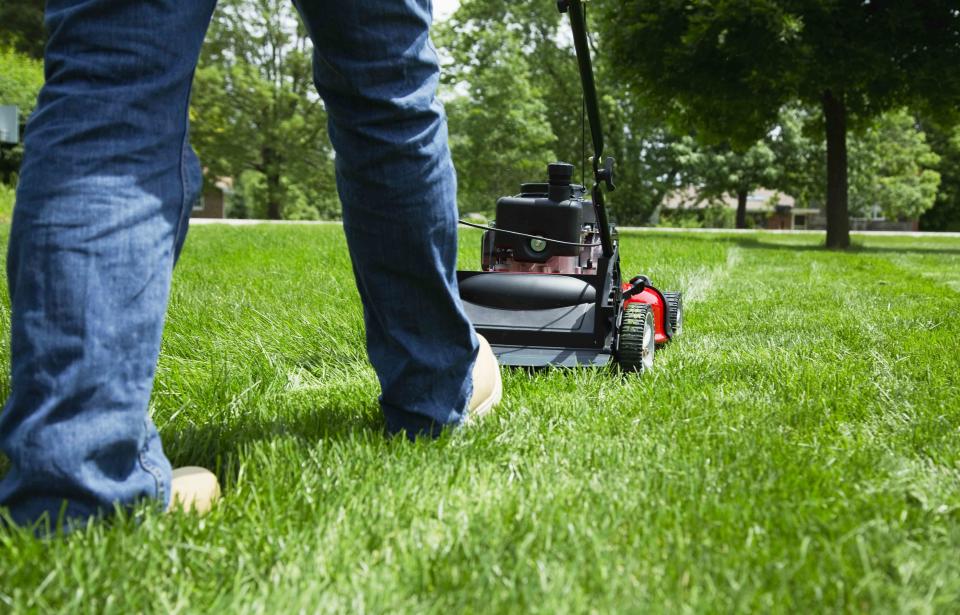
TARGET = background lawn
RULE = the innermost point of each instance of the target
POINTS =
(795, 450)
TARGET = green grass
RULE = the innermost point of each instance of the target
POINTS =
(6, 203)
(796, 450)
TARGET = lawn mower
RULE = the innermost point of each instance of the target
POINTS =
(550, 290)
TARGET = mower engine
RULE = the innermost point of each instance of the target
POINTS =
(550, 291)
(556, 210)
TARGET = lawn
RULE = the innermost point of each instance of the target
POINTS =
(796, 450)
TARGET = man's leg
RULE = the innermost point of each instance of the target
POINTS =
(377, 71)
(105, 193)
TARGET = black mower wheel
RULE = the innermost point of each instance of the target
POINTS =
(636, 342)
(674, 311)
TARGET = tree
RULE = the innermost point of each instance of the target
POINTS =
(499, 133)
(800, 151)
(892, 169)
(21, 27)
(473, 35)
(255, 114)
(785, 160)
(727, 68)
(651, 158)
(21, 78)
(531, 39)
(945, 142)
(717, 170)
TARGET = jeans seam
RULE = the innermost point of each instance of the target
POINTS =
(183, 163)
(150, 468)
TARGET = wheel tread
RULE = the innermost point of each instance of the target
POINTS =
(630, 350)
(674, 301)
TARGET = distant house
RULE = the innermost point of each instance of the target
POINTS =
(213, 200)
(773, 210)
(765, 208)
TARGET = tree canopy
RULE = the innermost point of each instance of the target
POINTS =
(892, 168)
(526, 45)
(944, 140)
(710, 96)
(21, 27)
(500, 134)
(256, 116)
(727, 68)
(894, 172)
(719, 169)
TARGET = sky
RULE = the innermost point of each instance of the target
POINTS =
(444, 8)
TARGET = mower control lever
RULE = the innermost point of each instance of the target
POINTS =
(605, 173)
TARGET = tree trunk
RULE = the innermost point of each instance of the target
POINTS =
(273, 196)
(273, 183)
(742, 208)
(838, 218)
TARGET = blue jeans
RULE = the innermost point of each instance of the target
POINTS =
(106, 189)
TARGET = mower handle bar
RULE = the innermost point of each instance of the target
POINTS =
(578, 23)
(602, 169)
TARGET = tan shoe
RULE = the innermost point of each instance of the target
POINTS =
(193, 490)
(487, 383)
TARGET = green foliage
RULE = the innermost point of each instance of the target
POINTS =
(945, 142)
(718, 170)
(727, 68)
(787, 159)
(800, 150)
(7, 197)
(523, 49)
(254, 109)
(300, 203)
(892, 168)
(473, 35)
(249, 198)
(21, 27)
(499, 133)
(21, 78)
(649, 155)
(714, 215)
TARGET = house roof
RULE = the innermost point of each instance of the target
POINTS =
(760, 200)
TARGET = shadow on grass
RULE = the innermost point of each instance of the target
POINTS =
(770, 243)
(220, 445)
(752, 243)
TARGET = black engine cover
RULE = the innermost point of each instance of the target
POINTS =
(543, 217)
